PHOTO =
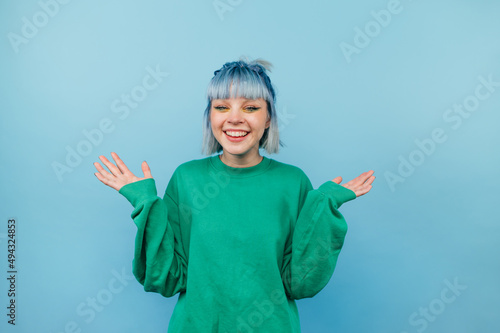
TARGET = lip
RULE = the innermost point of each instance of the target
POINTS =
(237, 139)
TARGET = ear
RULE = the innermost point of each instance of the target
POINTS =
(268, 122)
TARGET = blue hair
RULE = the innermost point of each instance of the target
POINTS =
(242, 79)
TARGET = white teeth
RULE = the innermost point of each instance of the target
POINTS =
(236, 133)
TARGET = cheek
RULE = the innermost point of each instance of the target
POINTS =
(215, 129)
(217, 125)
(215, 118)
(214, 121)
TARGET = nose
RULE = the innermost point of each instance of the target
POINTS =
(235, 116)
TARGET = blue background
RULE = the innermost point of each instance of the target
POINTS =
(341, 114)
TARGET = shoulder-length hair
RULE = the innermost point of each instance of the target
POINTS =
(242, 79)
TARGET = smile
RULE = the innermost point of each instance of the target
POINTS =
(236, 134)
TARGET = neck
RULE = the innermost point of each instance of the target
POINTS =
(240, 161)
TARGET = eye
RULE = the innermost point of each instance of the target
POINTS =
(220, 108)
(252, 108)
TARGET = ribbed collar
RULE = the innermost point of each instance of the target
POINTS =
(257, 169)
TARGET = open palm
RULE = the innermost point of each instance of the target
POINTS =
(120, 175)
(359, 185)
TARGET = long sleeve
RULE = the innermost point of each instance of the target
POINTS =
(311, 255)
(159, 262)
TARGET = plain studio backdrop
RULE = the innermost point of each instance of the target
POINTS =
(409, 89)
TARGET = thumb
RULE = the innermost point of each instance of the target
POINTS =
(337, 180)
(146, 170)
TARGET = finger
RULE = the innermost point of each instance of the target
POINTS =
(367, 189)
(119, 163)
(101, 170)
(370, 180)
(362, 178)
(365, 175)
(103, 175)
(106, 181)
(361, 190)
(337, 180)
(114, 170)
(101, 178)
(146, 170)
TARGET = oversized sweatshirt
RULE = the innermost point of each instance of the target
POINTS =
(239, 245)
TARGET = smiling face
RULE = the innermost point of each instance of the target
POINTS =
(238, 125)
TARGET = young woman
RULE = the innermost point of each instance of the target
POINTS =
(238, 235)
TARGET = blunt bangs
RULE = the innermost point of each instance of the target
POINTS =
(238, 82)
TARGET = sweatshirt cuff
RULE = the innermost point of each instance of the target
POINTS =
(139, 191)
(338, 193)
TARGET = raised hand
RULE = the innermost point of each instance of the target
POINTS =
(360, 185)
(120, 175)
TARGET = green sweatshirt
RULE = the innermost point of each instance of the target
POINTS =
(239, 245)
